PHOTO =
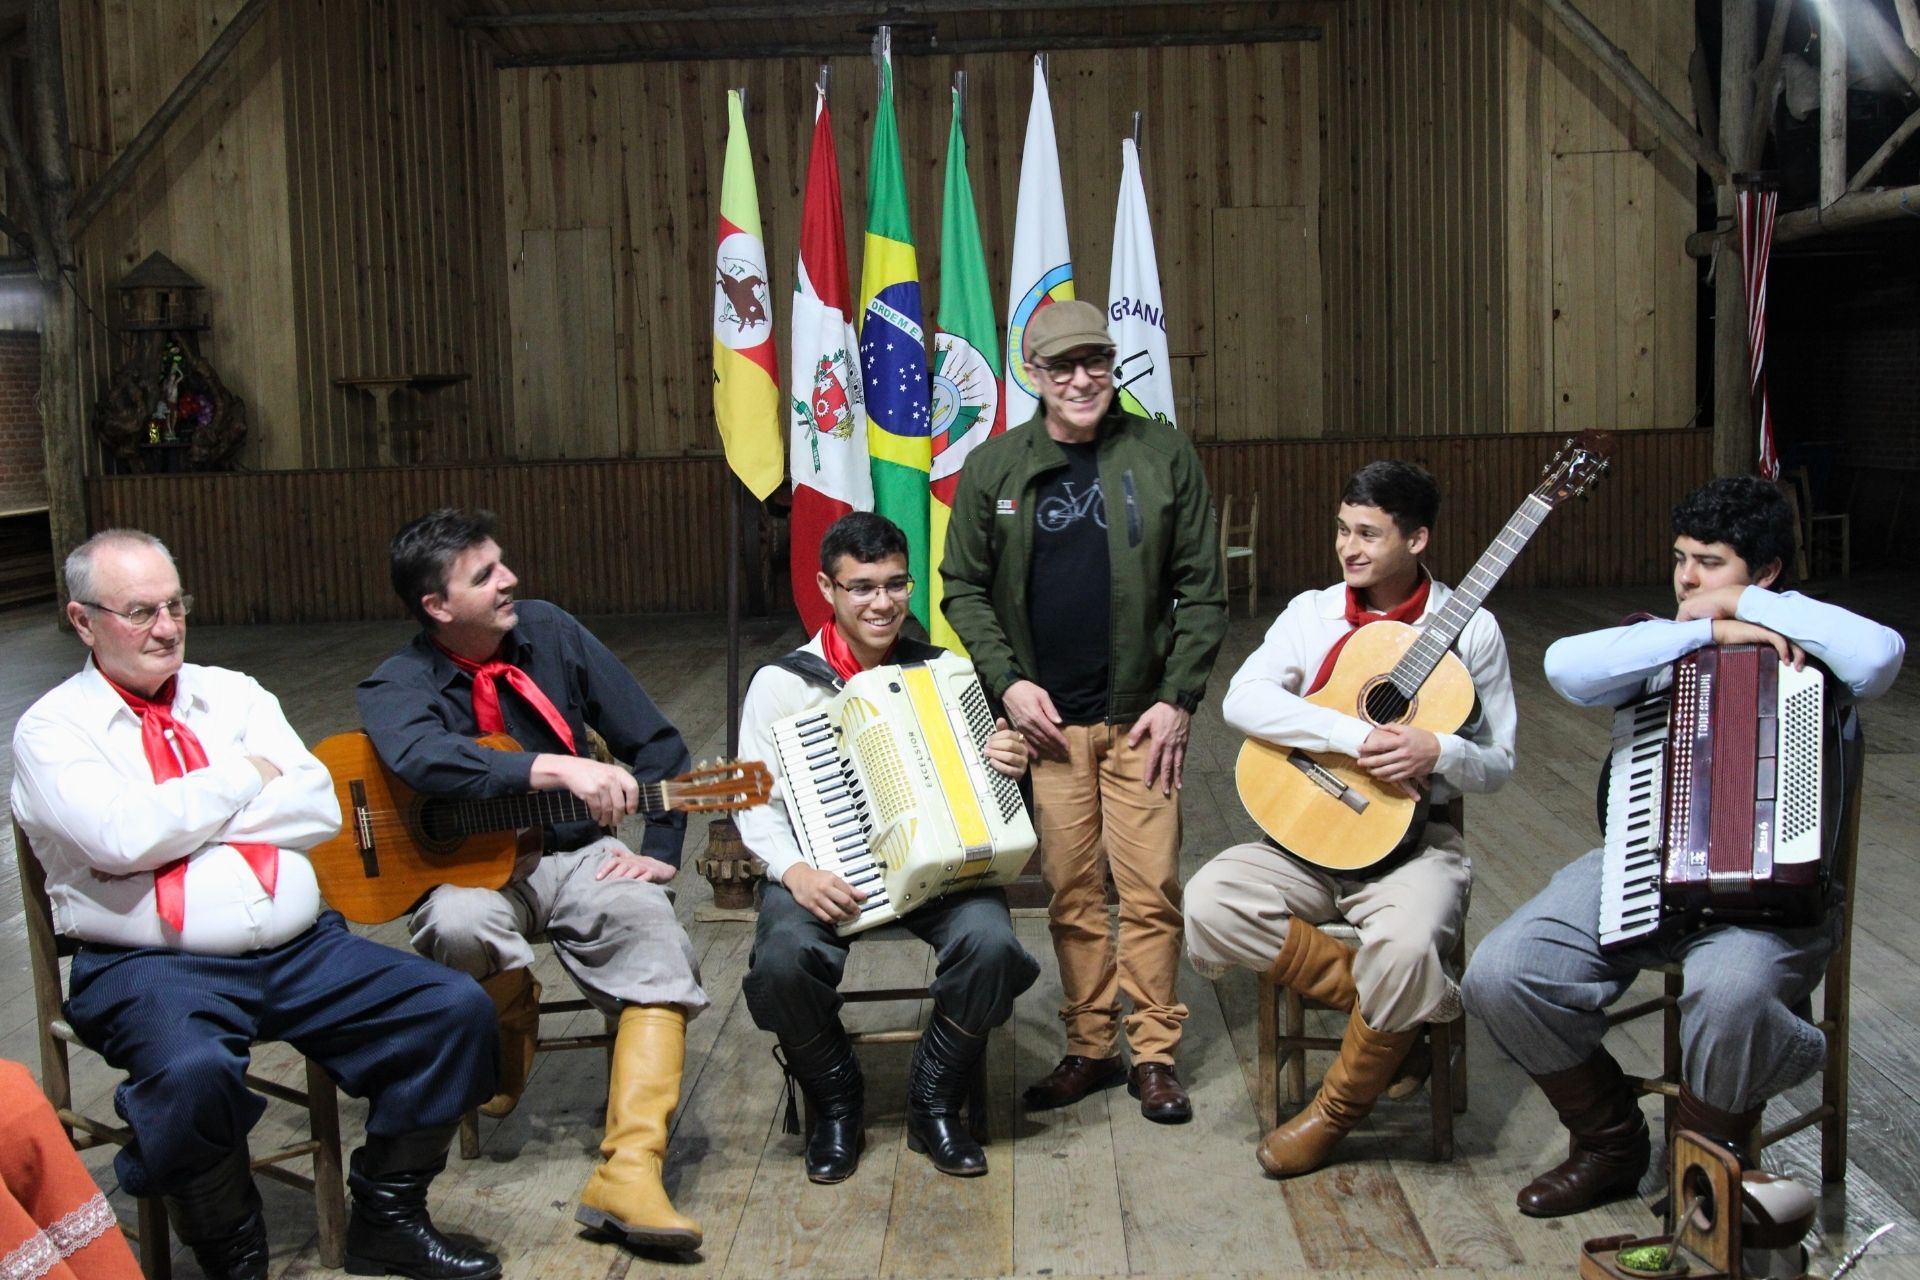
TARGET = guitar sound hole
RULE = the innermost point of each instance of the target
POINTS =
(1386, 704)
(439, 826)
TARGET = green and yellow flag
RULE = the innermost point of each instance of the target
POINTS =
(746, 376)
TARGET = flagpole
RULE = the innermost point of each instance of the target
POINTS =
(733, 581)
(1136, 129)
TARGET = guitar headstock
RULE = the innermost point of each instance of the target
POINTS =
(1582, 460)
(721, 785)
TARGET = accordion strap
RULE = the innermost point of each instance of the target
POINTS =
(813, 668)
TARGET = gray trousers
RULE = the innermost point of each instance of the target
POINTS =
(617, 939)
(1408, 918)
(793, 977)
(1541, 984)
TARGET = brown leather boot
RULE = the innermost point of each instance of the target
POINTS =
(516, 1003)
(1734, 1130)
(1610, 1149)
(1352, 1084)
(1315, 967)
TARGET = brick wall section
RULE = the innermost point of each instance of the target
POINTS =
(23, 468)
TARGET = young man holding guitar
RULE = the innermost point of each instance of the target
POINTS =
(1256, 905)
(486, 663)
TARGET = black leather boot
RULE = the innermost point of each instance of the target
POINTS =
(828, 1073)
(388, 1232)
(217, 1215)
(937, 1088)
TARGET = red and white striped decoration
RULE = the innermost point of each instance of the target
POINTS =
(1754, 212)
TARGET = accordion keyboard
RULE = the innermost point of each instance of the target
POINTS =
(1630, 870)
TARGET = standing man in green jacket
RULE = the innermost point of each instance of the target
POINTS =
(1082, 571)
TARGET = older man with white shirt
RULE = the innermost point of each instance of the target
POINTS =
(168, 803)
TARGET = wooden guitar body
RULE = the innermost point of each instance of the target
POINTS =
(1366, 819)
(391, 851)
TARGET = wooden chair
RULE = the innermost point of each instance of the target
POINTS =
(977, 1090)
(1831, 1112)
(1825, 539)
(470, 1122)
(45, 949)
(1237, 543)
(1283, 1041)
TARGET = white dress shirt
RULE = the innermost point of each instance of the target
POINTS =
(1611, 666)
(101, 826)
(774, 694)
(1267, 700)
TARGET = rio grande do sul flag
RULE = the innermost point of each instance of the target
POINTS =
(828, 408)
(746, 377)
(893, 351)
(966, 363)
(1135, 315)
(1042, 265)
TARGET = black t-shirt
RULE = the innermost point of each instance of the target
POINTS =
(1070, 587)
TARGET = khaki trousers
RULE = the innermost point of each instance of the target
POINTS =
(1238, 906)
(1095, 814)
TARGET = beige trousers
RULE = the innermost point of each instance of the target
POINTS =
(1095, 813)
(1408, 918)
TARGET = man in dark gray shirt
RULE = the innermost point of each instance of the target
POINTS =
(487, 663)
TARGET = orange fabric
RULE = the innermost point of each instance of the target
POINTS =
(53, 1220)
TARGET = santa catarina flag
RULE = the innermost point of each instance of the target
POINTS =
(828, 409)
(746, 376)
(893, 351)
(966, 359)
(1135, 316)
(1042, 265)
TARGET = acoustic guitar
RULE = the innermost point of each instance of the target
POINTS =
(1321, 806)
(396, 844)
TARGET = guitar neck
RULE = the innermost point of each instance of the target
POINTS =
(537, 809)
(1441, 630)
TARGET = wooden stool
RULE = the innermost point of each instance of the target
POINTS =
(1237, 547)
(470, 1122)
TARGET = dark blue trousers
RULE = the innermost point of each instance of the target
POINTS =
(414, 1038)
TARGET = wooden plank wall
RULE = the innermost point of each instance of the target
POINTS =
(213, 196)
(335, 187)
(633, 151)
(309, 546)
(647, 535)
(1602, 296)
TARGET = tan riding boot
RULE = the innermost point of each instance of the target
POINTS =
(624, 1196)
(1314, 966)
(1352, 1084)
(516, 1004)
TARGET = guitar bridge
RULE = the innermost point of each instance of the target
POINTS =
(1327, 781)
(363, 829)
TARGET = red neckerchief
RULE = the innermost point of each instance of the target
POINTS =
(156, 723)
(1408, 610)
(839, 653)
(486, 695)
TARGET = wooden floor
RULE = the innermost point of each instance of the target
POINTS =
(1093, 1190)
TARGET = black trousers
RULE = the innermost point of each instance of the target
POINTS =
(415, 1038)
(793, 977)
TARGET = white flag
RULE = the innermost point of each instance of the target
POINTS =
(1135, 316)
(1042, 265)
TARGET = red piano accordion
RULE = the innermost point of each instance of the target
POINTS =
(1715, 799)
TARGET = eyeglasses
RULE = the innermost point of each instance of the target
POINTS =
(142, 616)
(1060, 372)
(864, 592)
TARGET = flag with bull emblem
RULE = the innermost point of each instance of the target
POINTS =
(746, 374)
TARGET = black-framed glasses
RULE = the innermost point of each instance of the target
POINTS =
(864, 592)
(143, 615)
(1060, 372)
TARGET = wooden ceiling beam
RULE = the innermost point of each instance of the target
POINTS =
(860, 46)
(877, 10)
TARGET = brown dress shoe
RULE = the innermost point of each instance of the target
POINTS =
(1074, 1079)
(1163, 1099)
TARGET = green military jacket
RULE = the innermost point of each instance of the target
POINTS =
(1169, 612)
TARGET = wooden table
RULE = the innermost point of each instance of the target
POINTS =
(381, 387)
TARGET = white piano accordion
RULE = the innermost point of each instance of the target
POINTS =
(888, 787)
(1714, 798)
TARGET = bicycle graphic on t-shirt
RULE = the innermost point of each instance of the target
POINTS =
(1061, 510)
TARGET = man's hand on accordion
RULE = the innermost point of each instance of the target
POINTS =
(822, 892)
(1006, 749)
(1734, 631)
